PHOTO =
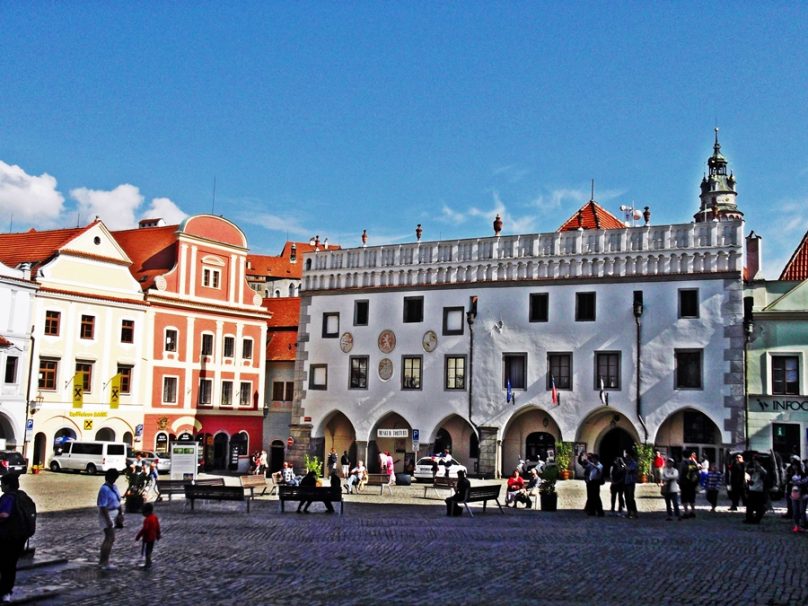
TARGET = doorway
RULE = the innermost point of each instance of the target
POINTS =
(220, 451)
(276, 452)
(613, 444)
(537, 444)
(786, 440)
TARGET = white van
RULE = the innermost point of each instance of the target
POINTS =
(90, 457)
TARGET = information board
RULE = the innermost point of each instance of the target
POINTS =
(184, 460)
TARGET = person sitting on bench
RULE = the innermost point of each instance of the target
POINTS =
(454, 503)
(357, 474)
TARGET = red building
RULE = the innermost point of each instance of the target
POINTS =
(208, 339)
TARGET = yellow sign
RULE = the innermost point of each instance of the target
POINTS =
(78, 389)
(115, 391)
(88, 424)
(84, 413)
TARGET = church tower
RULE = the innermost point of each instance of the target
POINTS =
(717, 190)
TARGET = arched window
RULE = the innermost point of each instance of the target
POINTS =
(105, 435)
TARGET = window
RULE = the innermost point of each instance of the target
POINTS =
(559, 367)
(289, 394)
(170, 390)
(318, 376)
(205, 391)
(48, 368)
(245, 393)
(170, 343)
(277, 391)
(360, 313)
(52, 321)
(359, 372)
(688, 303)
(514, 369)
(229, 347)
(126, 377)
(247, 349)
(455, 372)
(330, 325)
(785, 375)
(413, 309)
(607, 369)
(688, 368)
(87, 328)
(453, 320)
(11, 369)
(227, 393)
(207, 344)
(127, 331)
(585, 307)
(411, 372)
(283, 392)
(210, 277)
(86, 368)
(539, 307)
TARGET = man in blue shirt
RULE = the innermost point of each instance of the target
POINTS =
(109, 508)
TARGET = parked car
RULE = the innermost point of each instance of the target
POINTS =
(770, 461)
(147, 456)
(91, 457)
(12, 462)
(450, 465)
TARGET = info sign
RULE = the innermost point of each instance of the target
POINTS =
(184, 460)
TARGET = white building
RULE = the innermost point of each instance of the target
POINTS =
(638, 328)
(16, 296)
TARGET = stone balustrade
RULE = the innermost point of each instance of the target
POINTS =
(690, 248)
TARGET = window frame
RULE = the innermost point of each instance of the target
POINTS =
(581, 307)
(326, 317)
(356, 317)
(560, 386)
(167, 347)
(353, 373)
(126, 371)
(231, 340)
(606, 378)
(205, 391)
(677, 384)
(247, 352)
(11, 369)
(176, 380)
(48, 377)
(53, 323)
(533, 315)
(446, 381)
(407, 312)
(127, 331)
(206, 337)
(682, 292)
(211, 278)
(249, 399)
(507, 370)
(278, 389)
(784, 358)
(312, 377)
(404, 371)
(87, 377)
(447, 311)
(87, 327)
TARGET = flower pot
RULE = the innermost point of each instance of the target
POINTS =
(35, 470)
(549, 502)
(566, 474)
(643, 478)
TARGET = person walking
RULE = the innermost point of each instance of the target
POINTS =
(345, 461)
(110, 515)
(630, 484)
(332, 462)
(670, 489)
(799, 487)
(755, 497)
(711, 485)
(737, 482)
(12, 540)
(617, 475)
(659, 463)
(689, 484)
(149, 533)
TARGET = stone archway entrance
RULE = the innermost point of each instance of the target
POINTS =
(687, 431)
(613, 444)
(394, 434)
(530, 433)
(339, 434)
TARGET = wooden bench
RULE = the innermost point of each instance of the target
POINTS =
(441, 482)
(485, 493)
(214, 493)
(320, 494)
(254, 482)
(171, 487)
(379, 479)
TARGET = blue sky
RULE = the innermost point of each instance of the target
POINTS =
(331, 118)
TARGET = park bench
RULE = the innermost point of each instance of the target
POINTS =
(320, 494)
(214, 493)
(441, 482)
(484, 493)
(255, 482)
(171, 487)
(379, 479)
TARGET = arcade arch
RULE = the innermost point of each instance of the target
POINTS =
(457, 434)
(530, 433)
(688, 430)
(396, 437)
(608, 433)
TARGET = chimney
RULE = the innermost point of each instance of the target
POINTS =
(754, 255)
(293, 253)
(25, 268)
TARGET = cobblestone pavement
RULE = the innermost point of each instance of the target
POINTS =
(404, 550)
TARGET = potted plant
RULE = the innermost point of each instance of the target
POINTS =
(314, 464)
(645, 458)
(134, 497)
(563, 458)
(548, 496)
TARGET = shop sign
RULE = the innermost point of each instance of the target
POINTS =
(780, 404)
(392, 433)
(82, 413)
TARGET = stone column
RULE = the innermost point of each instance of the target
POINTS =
(489, 452)
(361, 452)
(296, 454)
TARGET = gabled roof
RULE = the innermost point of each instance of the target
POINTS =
(797, 266)
(282, 266)
(152, 250)
(281, 346)
(36, 247)
(285, 311)
(592, 216)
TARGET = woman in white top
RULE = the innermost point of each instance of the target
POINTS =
(670, 488)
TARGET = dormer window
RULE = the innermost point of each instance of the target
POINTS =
(211, 278)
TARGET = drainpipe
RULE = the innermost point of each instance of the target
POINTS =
(638, 309)
(748, 335)
(28, 394)
(471, 316)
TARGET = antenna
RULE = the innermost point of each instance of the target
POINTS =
(213, 200)
(592, 197)
(78, 218)
(11, 223)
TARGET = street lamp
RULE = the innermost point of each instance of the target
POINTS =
(637, 309)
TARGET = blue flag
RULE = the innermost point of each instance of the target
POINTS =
(509, 395)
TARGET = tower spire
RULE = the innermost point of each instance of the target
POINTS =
(718, 195)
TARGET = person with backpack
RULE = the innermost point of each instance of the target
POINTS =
(689, 474)
(17, 525)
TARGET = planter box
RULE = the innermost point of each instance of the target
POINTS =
(549, 502)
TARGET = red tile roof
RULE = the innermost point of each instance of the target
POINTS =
(281, 345)
(282, 265)
(153, 251)
(285, 311)
(797, 266)
(592, 216)
(34, 246)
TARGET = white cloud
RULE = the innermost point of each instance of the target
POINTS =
(165, 209)
(449, 215)
(276, 223)
(513, 173)
(559, 198)
(116, 208)
(29, 199)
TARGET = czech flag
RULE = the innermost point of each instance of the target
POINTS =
(553, 390)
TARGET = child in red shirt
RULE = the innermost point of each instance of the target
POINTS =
(149, 533)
